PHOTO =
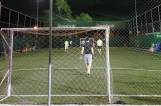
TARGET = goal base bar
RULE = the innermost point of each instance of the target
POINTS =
(79, 95)
(59, 95)
(76, 105)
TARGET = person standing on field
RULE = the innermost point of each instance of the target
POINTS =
(66, 45)
(88, 52)
(99, 46)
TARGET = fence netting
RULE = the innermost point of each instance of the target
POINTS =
(135, 54)
(71, 82)
(135, 62)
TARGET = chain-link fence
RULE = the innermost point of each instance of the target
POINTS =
(78, 77)
(3, 74)
(10, 18)
(135, 62)
(134, 47)
(136, 80)
(135, 68)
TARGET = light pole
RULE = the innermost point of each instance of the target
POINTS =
(37, 12)
(136, 18)
(50, 51)
(37, 21)
(0, 8)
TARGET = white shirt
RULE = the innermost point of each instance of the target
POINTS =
(71, 42)
(66, 43)
(99, 42)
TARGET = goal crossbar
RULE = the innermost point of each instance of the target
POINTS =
(68, 31)
(53, 28)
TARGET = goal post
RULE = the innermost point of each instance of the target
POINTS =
(27, 67)
(10, 63)
(108, 67)
(7, 42)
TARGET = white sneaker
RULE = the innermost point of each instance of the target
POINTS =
(88, 72)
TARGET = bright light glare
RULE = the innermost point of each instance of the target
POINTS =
(35, 28)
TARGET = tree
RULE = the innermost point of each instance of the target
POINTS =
(85, 17)
(67, 10)
(63, 8)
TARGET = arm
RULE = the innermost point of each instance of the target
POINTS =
(82, 51)
(92, 51)
(102, 42)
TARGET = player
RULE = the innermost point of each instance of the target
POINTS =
(82, 43)
(33, 47)
(158, 47)
(87, 51)
(71, 43)
(99, 45)
(66, 45)
(155, 47)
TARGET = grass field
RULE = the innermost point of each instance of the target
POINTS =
(134, 73)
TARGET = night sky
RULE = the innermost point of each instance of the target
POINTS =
(98, 9)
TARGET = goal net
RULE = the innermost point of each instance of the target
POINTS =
(91, 40)
(24, 80)
(4, 48)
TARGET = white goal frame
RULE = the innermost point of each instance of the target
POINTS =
(45, 31)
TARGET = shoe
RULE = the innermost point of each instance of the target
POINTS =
(88, 73)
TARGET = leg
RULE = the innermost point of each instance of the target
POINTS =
(66, 48)
(86, 61)
(89, 68)
(100, 51)
(86, 66)
(89, 63)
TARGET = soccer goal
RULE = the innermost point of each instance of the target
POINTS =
(24, 79)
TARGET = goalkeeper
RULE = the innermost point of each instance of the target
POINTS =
(87, 51)
(99, 45)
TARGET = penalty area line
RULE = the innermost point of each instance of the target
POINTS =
(119, 68)
(141, 69)
(55, 69)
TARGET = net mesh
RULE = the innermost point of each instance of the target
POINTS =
(134, 56)
(70, 81)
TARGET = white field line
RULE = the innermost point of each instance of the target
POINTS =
(76, 95)
(141, 69)
(157, 96)
(5, 76)
(56, 68)
(81, 95)
(3, 99)
(30, 69)
(77, 105)
(146, 51)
